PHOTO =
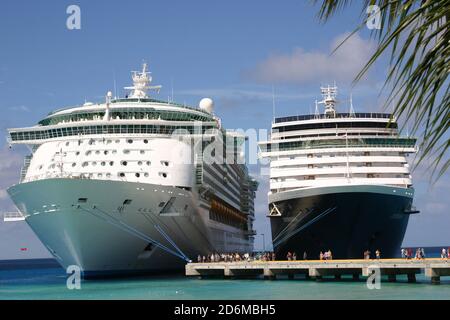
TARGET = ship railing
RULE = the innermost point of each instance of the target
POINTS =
(71, 175)
(13, 216)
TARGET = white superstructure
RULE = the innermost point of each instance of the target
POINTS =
(338, 181)
(336, 148)
(146, 173)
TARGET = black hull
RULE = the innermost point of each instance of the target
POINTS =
(346, 223)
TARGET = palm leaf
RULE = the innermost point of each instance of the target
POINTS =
(415, 34)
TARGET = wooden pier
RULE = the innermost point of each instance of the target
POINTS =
(318, 269)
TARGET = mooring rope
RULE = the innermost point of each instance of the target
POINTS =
(291, 234)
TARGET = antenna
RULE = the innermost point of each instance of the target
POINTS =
(273, 102)
(316, 112)
(352, 111)
(171, 82)
(115, 87)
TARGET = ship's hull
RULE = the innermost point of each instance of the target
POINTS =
(114, 228)
(347, 220)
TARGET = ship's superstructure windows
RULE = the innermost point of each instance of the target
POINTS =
(337, 148)
(45, 133)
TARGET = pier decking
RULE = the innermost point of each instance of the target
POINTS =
(317, 269)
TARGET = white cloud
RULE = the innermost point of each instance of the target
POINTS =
(3, 194)
(19, 108)
(301, 66)
(10, 165)
(241, 96)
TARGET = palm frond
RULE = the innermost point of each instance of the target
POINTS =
(416, 35)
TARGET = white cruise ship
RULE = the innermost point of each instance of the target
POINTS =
(135, 184)
(339, 182)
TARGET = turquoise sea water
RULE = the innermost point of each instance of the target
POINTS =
(50, 283)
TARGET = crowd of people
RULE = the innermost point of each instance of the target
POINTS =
(327, 255)
(226, 257)
(406, 253)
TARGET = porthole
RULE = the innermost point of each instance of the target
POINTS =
(85, 164)
(67, 143)
(117, 141)
(130, 141)
(124, 163)
(105, 152)
(74, 164)
(165, 163)
(111, 163)
(97, 152)
(146, 175)
(163, 174)
(109, 141)
(121, 174)
(103, 163)
(108, 175)
(114, 151)
(126, 151)
(145, 141)
(142, 152)
(77, 153)
(140, 163)
(88, 152)
(94, 163)
(137, 174)
(148, 163)
(99, 175)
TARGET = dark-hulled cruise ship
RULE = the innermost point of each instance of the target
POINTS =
(339, 182)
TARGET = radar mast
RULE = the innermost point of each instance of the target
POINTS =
(329, 94)
(141, 83)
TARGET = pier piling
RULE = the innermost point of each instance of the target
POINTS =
(317, 270)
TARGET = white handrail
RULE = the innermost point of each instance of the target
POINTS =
(13, 216)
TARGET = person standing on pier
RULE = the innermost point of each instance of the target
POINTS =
(289, 256)
(378, 254)
(305, 256)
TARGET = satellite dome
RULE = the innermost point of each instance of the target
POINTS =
(207, 105)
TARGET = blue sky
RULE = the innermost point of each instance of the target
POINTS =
(231, 51)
